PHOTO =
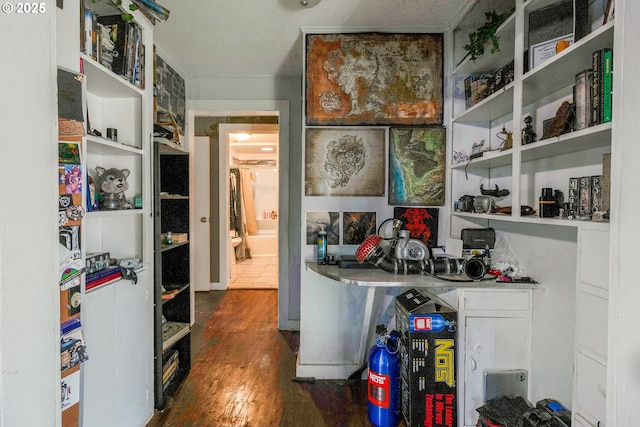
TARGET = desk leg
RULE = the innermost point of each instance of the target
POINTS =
(366, 327)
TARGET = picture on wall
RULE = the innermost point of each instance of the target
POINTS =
(422, 223)
(417, 166)
(345, 161)
(374, 79)
(330, 221)
(357, 226)
(170, 96)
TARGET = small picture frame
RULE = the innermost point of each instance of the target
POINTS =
(609, 12)
(541, 52)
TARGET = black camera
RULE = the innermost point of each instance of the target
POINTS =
(465, 203)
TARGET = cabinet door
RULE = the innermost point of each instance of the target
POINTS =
(117, 321)
(99, 398)
(491, 343)
(134, 350)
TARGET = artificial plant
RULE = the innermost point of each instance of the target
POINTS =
(481, 35)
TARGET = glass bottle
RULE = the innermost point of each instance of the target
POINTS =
(547, 203)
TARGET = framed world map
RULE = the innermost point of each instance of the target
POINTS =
(374, 79)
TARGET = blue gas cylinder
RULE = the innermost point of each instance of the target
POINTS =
(383, 383)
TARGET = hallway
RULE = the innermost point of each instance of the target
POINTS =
(242, 370)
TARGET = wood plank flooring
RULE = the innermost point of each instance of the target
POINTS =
(242, 372)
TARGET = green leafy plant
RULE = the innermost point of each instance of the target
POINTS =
(478, 38)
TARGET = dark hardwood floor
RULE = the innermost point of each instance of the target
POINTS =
(242, 371)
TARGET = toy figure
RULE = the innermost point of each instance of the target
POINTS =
(111, 184)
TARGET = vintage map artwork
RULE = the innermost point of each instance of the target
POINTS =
(344, 161)
(374, 79)
(417, 166)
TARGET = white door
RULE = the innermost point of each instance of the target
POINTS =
(200, 239)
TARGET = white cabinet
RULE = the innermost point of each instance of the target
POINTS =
(494, 335)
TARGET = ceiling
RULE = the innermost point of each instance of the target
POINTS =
(252, 148)
(223, 38)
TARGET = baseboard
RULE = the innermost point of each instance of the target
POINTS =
(325, 372)
(217, 287)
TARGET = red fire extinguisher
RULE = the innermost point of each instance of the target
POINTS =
(383, 404)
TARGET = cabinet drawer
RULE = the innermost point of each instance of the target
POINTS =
(593, 266)
(591, 330)
(497, 300)
(590, 390)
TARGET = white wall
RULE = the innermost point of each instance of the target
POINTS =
(29, 313)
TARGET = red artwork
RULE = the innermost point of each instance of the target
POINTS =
(422, 223)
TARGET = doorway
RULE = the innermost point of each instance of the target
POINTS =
(217, 231)
(252, 212)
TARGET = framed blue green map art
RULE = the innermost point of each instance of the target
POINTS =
(374, 79)
(417, 166)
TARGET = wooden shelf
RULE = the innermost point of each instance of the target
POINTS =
(533, 219)
(172, 332)
(103, 146)
(105, 84)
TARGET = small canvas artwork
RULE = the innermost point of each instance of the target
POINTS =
(422, 223)
(345, 162)
(69, 153)
(357, 226)
(330, 221)
(417, 166)
(72, 179)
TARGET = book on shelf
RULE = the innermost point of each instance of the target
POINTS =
(172, 332)
(99, 274)
(170, 294)
(584, 201)
(606, 181)
(573, 198)
(607, 76)
(582, 99)
(475, 87)
(170, 366)
(596, 193)
(595, 88)
(602, 65)
(103, 276)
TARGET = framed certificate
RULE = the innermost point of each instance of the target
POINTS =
(541, 52)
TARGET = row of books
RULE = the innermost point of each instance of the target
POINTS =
(114, 43)
(479, 86)
(169, 368)
(593, 91)
(102, 276)
(590, 194)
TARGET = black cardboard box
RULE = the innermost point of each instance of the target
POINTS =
(428, 360)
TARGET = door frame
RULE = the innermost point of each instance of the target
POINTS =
(224, 129)
(226, 108)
